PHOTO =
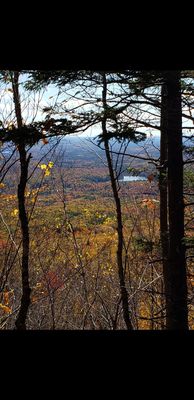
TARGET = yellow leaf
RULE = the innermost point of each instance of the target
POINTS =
(6, 298)
(2, 185)
(50, 164)
(43, 166)
(47, 172)
(5, 308)
(11, 126)
(14, 213)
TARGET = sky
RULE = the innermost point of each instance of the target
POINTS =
(33, 104)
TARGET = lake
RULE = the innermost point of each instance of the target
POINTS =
(133, 178)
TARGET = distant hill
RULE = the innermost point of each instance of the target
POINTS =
(73, 148)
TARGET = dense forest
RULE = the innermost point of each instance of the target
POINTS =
(96, 200)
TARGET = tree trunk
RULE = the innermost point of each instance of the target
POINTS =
(177, 311)
(123, 290)
(25, 300)
(24, 162)
(164, 195)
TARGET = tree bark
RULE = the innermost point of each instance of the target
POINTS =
(123, 290)
(164, 196)
(25, 300)
(176, 278)
(24, 162)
